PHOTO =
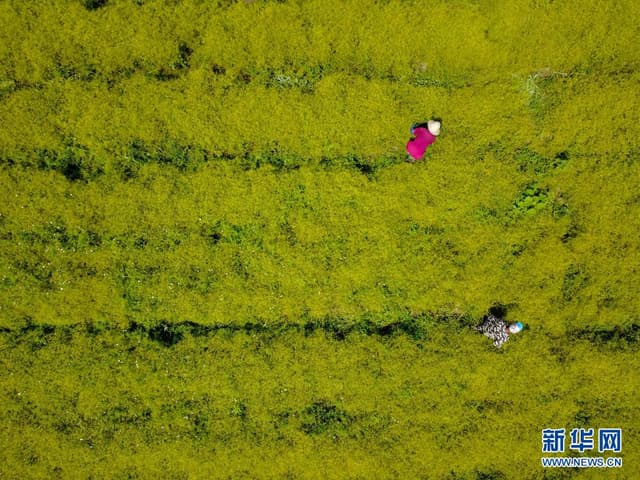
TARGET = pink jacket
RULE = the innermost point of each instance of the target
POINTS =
(418, 145)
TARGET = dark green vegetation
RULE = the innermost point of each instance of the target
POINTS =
(214, 262)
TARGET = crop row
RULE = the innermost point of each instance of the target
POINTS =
(112, 403)
(84, 129)
(224, 245)
(45, 40)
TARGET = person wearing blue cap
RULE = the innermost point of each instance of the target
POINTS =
(498, 330)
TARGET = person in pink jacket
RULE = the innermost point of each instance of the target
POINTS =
(424, 134)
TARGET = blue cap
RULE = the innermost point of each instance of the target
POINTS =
(518, 325)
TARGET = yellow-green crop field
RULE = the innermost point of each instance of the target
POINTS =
(215, 262)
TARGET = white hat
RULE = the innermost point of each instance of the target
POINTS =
(434, 127)
(516, 327)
